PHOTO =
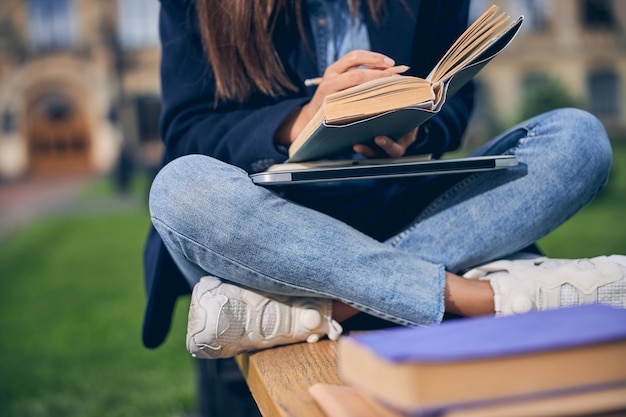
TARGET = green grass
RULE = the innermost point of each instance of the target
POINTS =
(600, 227)
(72, 299)
(71, 304)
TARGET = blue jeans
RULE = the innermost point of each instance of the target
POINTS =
(215, 221)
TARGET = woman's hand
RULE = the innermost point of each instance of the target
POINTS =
(395, 149)
(352, 69)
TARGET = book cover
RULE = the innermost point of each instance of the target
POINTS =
(331, 139)
(475, 361)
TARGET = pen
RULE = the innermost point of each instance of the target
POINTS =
(399, 69)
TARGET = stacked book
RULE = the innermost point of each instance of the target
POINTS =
(564, 362)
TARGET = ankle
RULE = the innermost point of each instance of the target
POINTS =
(468, 297)
(342, 312)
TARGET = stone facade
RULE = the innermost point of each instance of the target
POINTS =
(79, 80)
(580, 43)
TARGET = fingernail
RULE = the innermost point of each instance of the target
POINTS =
(390, 61)
(381, 140)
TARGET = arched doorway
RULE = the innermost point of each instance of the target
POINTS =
(58, 135)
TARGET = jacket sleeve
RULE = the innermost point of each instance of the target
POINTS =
(240, 134)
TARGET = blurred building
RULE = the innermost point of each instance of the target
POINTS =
(580, 43)
(78, 86)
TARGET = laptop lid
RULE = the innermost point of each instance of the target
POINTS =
(283, 174)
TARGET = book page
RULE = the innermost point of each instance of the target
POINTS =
(383, 103)
(374, 87)
(378, 96)
(478, 36)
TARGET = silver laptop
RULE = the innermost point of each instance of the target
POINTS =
(294, 173)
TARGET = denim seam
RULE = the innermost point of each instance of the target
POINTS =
(439, 201)
(231, 261)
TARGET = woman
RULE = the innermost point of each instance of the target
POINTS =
(274, 267)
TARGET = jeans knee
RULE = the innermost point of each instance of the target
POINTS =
(185, 184)
(167, 186)
(197, 190)
(585, 144)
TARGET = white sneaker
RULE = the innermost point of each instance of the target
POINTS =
(226, 319)
(539, 284)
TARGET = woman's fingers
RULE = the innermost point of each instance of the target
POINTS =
(354, 68)
(359, 58)
(393, 149)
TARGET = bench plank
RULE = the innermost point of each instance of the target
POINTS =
(279, 378)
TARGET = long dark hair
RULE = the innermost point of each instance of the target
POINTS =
(237, 38)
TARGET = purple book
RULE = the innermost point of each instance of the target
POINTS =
(470, 362)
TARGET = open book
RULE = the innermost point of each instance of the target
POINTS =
(395, 105)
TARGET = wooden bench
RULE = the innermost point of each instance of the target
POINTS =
(279, 378)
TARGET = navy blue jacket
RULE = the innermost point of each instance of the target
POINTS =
(412, 32)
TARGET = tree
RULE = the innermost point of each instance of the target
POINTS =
(543, 94)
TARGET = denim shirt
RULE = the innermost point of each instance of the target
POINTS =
(336, 32)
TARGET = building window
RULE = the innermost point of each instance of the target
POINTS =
(604, 99)
(51, 24)
(9, 123)
(477, 7)
(536, 14)
(148, 114)
(597, 14)
(138, 23)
